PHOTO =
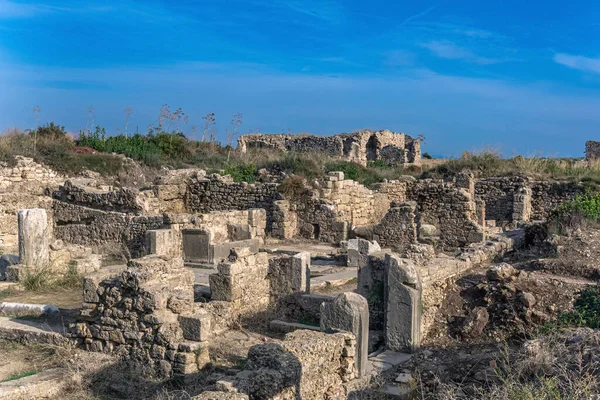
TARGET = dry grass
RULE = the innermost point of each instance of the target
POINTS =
(559, 365)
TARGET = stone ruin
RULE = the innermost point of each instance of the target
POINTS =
(361, 147)
(155, 312)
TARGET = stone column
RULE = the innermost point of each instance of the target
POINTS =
(33, 237)
(403, 305)
(349, 312)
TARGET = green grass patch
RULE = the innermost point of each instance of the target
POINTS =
(14, 377)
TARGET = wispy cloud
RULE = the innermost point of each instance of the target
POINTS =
(10, 9)
(399, 58)
(418, 15)
(324, 10)
(450, 51)
(578, 62)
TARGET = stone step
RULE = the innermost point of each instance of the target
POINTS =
(387, 360)
(286, 327)
(336, 279)
(42, 385)
(30, 331)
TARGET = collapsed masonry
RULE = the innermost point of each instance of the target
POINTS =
(361, 147)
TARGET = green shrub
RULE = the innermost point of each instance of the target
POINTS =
(36, 280)
(586, 310)
(49, 131)
(380, 164)
(427, 156)
(356, 172)
(242, 173)
(587, 205)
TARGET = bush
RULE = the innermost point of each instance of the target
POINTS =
(242, 173)
(152, 149)
(586, 310)
(293, 187)
(355, 172)
(427, 156)
(49, 131)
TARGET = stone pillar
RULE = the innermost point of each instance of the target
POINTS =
(403, 305)
(480, 211)
(466, 180)
(33, 237)
(285, 221)
(522, 205)
(349, 312)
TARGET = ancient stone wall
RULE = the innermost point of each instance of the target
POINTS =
(121, 199)
(361, 147)
(91, 227)
(398, 229)
(27, 176)
(548, 196)
(217, 193)
(498, 194)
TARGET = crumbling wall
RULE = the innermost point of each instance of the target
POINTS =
(137, 313)
(398, 229)
(361, 147)
(452, 210)
(27, 176)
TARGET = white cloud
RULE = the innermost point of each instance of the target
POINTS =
(450, 51)
(578, 62)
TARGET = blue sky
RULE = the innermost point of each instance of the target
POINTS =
(523, 77)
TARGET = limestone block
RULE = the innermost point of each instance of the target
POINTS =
(33, 237)
(196, 327)
(349, 312)
(164, 242)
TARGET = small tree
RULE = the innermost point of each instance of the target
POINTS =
(236, 122)
(209, 120)
(89, 124)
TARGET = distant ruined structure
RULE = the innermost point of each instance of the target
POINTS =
(592, 150)
(362, 146)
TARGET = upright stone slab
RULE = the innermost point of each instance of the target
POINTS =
(300, 279)
(33, 237)
(403, 305)
(349, 312)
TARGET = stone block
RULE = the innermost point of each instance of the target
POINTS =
(349, 312)
(163, 242)
(300, 277)
(196, 327)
